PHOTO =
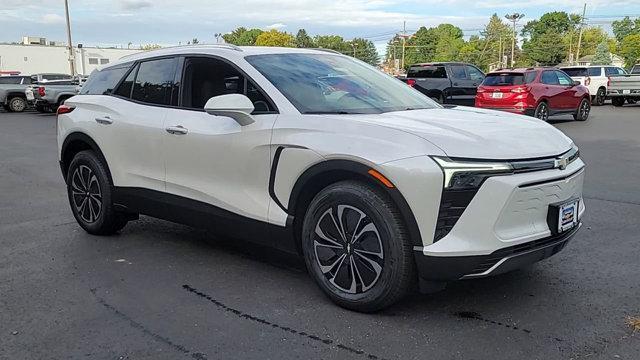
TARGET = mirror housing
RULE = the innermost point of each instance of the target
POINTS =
(576, 83)
(236, 106)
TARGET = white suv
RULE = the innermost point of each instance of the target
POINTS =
(321, 155)
(595, 78)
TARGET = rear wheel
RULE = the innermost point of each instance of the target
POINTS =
(89, 190)
(17, 104)
(601, 95)
(356, 247)
(582, 114)
(542, 111)
(631, 101)
(618, 101)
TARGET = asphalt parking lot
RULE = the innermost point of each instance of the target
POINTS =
(165, 291)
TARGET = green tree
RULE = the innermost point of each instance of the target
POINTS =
(150, 47)
(546, 48)
(365, 50)
(495, 42)
(545, 39)
(274, 37)
(630, 49)
(602, 54)
(242, 36)
(625, 27)
(195, 41)
(333, 42)
(421, 47)
(303, 40)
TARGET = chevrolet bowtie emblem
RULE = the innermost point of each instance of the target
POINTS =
(562, 163)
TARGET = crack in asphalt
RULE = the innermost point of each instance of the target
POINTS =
(475, 316)
(264, 322)
(137, 325)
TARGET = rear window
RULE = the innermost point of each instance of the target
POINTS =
(103, 82)
(10, 80)
(575, 71)
(636, 69)
(503, 79)
(427, 71)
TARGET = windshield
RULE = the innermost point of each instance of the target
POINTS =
(575, 71)
(326, 83)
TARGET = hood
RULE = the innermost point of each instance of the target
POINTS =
(478, 133)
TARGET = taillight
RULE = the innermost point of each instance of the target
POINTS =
(587, 81)
(480, 90)
(41, 90)
(519, 90)
(411, 82)
(64, 109)
(608, 81)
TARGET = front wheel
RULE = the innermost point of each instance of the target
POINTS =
(618, 101)
(582, 113)
(90, 190)
(601, 95)
(542, 111)
(356, 247)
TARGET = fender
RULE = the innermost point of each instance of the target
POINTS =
(68, 144)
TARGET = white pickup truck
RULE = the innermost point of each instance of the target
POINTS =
(623, 88)
(595, 78)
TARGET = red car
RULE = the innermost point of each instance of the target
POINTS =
(539, 92)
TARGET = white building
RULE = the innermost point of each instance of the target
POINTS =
(33, 59)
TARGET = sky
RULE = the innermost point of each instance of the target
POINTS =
(120, 22)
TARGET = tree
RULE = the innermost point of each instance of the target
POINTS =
(303, 40)
(546, 48)
(630, 49)
(365, 50)
(602, 56)
(333, 42)
(195, 41)
(495, 43)
(274, 37)
(625, 27)
(150, 47)
(545, 39)
(242, 37)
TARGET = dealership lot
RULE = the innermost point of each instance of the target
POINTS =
(165, 291)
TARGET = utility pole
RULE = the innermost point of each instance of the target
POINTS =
(404, 40)
(514, 18)
(69, 45)
(584, 12)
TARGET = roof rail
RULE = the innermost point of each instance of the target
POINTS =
(222, 46)
(227, 46)
(328, 50)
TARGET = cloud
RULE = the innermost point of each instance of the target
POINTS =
(135, 4)
(275, 26)
(52, 19)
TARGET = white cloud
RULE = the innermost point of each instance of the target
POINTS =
(135, 4)
(52, 19)
(276, 26)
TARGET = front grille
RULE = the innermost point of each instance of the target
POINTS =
(452, 205)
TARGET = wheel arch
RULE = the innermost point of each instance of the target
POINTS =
(73, 144)
(328, 172)
(13, 94)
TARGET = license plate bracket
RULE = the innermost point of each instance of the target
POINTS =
(563, 216)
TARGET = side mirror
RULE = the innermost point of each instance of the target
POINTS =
(576, 83)
(236, 106)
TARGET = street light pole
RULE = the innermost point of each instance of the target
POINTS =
(514, 18)
(69, 45)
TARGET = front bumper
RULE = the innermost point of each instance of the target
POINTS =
(451, 268)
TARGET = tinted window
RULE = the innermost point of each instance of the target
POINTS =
(10, 80)
(427, 71)
(125, 86)
(457, 72)
(530, 77)
(503, 79)
(549, 78)
(563, 79)
(595, 71)
(636, 69)
(609, 71)
(102, 82)
(474, 73)
(327, 83)
(205, 78)
(575, 71)
(155, 81)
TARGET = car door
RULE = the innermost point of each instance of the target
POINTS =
(569, 98)
(462, 91)
(551, 89)
(213, 160)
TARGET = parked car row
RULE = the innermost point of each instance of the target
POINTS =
(535, 91)
(44, 91)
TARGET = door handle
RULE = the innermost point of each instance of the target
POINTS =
(104, 120)
(177, 130)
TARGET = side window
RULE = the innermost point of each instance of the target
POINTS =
(102, 82)
(205, 78)
(530, 77)
(457, 72)
(474, 73)
(609, 71)
(125, 87)
(564, 79)
(154, 82)
(594, 71)
(549, 78)
(621, 71)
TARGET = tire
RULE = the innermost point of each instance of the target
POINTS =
(542, 111)
(381, 276)
(631, 101)
(41, 109)
(89, 190)
(601, 95)
(17, 104)
(618, 101)
(582, 113)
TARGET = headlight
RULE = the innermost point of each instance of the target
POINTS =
(465, 174)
